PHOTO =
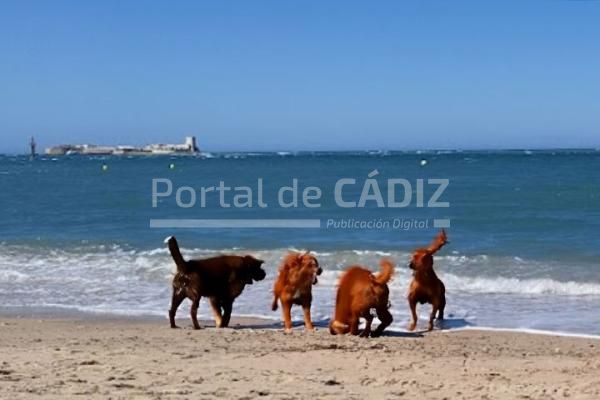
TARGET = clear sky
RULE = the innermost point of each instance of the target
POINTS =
(321, 75)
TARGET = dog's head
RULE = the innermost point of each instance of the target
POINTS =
(253, 270)
(310, 264)
(422, 259)
(303, 264)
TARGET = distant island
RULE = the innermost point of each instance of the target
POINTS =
(188, 147)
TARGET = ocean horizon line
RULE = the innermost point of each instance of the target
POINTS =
(334, 151)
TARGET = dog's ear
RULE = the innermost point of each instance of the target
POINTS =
(440, 240)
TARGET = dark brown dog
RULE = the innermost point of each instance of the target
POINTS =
(221, 278)
(297, 274)
(426, 287)
(359, 291)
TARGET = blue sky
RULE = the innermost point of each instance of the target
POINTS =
(274, 75)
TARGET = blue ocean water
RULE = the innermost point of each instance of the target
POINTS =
(523, 252)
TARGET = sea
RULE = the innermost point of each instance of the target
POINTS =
(77, 232)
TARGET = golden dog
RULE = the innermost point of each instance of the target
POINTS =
(293, 285)
(359, 291)
(426, 287)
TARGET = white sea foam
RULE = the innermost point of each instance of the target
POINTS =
(17, 264)
(518, 286)
(7, 275)
(525, 330)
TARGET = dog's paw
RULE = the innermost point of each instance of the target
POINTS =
(288, 331)
(412, 327)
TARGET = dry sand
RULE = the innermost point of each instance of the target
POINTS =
(135, 358)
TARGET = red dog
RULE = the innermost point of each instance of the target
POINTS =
(426, 287)
(297, 274)
(359, 291)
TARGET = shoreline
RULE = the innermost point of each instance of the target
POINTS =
(143, 358)
(240, 321)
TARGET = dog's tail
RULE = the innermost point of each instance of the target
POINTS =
(176, 254)
(386, 272)
(440, 240)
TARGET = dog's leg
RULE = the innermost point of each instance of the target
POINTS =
(354, 321)
(412, 303)
(308, 325)
(194, 312)
(176, 300)
(434, 310)
(216, 307)
(369, 318)
(227, 308)
(386, 319)
(442, 306)
(286, 313)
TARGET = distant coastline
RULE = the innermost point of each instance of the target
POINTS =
(188, 147)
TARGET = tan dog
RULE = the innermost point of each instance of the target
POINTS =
(293, 285)
(359, 291)
(426, 287)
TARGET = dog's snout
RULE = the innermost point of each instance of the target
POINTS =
(260, 275)
(411, 265)
(319, 271)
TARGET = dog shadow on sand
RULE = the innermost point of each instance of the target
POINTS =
(323, 324)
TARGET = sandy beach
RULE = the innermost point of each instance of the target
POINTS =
(125, 358)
